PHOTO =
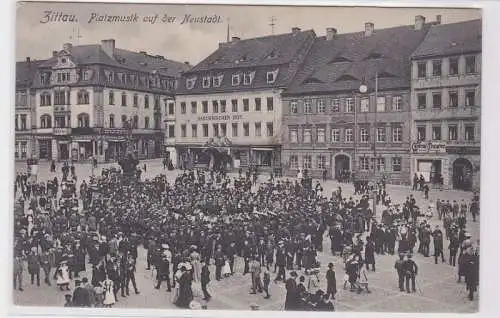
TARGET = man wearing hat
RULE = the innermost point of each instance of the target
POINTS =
(292, 299)
(410, 269)
(81, 296)
(331, 281)
(399, 266)
(163, 272)
(437, 235)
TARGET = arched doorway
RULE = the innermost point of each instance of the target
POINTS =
(462, 174)
(342, 167)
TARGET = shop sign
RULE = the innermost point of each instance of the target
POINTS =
(463, 150)
(220, 117)
(114, 131)
(431, 147)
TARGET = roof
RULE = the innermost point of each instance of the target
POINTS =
(94, 54)
(342, 63)
(451, 39)
(25, 72)
(283, 52)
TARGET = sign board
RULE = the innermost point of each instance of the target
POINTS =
(431, 147)
(220, 117)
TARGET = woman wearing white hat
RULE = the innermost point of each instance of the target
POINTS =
(109, 296)
(63, 279)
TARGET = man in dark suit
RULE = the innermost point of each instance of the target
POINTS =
(331, 281)
(81, 296)
(205, 279)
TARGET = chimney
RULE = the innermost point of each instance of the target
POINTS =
(108, 46)
(235, 39)
(369, 26)
(67, 46)
(419, 22)
(28, 59)
(330, 33)
(438, 19)
(54, 53)
(295, 30)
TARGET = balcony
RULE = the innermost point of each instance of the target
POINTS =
(62, 131)
(62, 108)
(447, 112)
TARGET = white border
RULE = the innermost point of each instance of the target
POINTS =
(489, 301)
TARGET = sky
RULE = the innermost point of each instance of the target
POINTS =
(191, 42)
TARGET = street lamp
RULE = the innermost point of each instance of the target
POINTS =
(362, 89)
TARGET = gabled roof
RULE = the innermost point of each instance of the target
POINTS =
(25, 72)
(342, 63)
(450, 39)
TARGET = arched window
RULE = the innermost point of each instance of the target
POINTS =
(135, 122)
(83, 97)
(111, 121)
(45, 121)
(45, 99)
(146, 122)
(83, 120)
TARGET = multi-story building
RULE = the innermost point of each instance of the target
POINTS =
(24, 108)
(84, 94)
(446, 99)
(331, 124)
(231, 101)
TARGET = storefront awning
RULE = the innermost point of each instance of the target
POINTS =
(263, 149)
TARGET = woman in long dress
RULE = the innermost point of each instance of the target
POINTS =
(63, 279)
(195, 258)
(109, 296)
(185, 291)
(175, 294)
(226, 269)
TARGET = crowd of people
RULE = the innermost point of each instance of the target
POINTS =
(205, 218)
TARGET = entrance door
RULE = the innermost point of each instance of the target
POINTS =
(45, 149)
(63, 151)
(462, 174)
(342, 167)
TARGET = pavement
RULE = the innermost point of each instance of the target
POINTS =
(437, 287)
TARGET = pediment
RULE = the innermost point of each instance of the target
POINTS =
(64, 60)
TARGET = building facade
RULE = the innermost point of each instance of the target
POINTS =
(231, 102)
(331, 125)
(83, 95)
(446, 105)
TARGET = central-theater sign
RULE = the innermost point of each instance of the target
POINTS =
(431, 147)
(220, 117)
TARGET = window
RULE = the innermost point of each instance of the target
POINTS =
(248, 78)
(183, 130)
(45, 99)
(436, 100)
(222, 106)
(348, 135)
(234, 127)
(194, 130)
(124, 120)
(45, 78)
(146, 101)
(59, 98)
(124, 99)
(364, 136)
(258, 129)
(16, 122)
(83, 120)
(257, 104)
(234, 105)
(270, 104)
(396, 164)
(397, 103)
(246, 130)
(453, 67)
(270, 129)
(206, 82)
(381, 104)
(293, 107)
(452, 99)
(436, 133)
(216, 130)
(294, 162)
(321, 162)
(320, 135)
(171, 108)
(307, 163)
(307, 106)
(271, 77)
(422, 100)
(215, 106)
(183, 107)
(436, 68)
(135, 102)
(146, 122)
(23, 122)
(24, 146)
(397, 134)
(469, 132)
(470, 98)
(349, 105)
(320, 104)
(235, 80)
(82, 97)
(421, 69)
(205, 130)
(135, 122)
(364, 105)
(223, 130)
(470, 64)
(421, 133)
(335, 135)
(307, 136)
(380, 164)
(63, 76)
(364, 163)
(335, 105)
(380, 134)
(217, 80)
(246, 105)
(171, 131)
(111, 98)
(452, 132)
(111, 121)
(45, 121)
(204, 105)
(293, 136)
(194, 107)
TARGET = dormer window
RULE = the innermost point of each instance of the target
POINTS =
(109, 76)
(271, 76)
(235, 80)
(190, 82)
(86, 75)
(206, 82)
(63, 76)
(45, 78)
(217, 80)
(248, 78)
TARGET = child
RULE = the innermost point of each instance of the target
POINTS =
(267, 280)
(69, 301)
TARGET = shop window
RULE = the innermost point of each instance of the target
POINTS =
(396, 164)
(307, 163)
(294, 162)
